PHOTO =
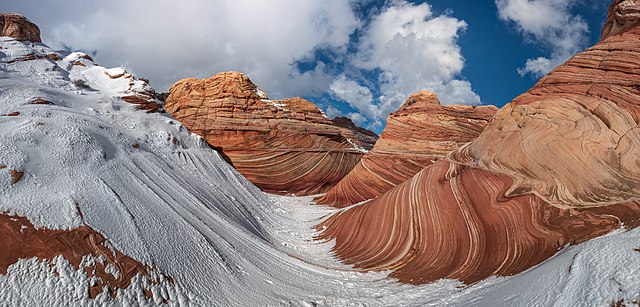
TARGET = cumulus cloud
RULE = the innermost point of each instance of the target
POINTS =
(356, 95)
(412, 49)
(548, 23)
(357, 118)
(165, 42)
(375, 60)
(332, 111)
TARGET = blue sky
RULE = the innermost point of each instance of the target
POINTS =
(494, 48)
(355, 58)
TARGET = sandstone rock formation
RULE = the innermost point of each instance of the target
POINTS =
(282, 146)
(623, 15)
(366, 137)
(556, 166)
(21, 240)
(18, 27)
(419, 133)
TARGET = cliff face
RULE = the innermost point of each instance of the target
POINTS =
(419, 133)
(282, 146)
(556, 166)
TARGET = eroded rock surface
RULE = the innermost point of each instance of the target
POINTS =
(419, 133)
(18, 27)
(557, 166)
(282, 146)
(623, 15)
(452, 221)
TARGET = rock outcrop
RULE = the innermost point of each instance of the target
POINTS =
(623, 15)
(282, 146)
(18, 27)
(83, 71)
(556, 166)
(366, 137)
(419, 133)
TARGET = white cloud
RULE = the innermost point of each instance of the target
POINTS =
(357, 118)
(356, 95)
(414, 50)
(332, 112)
(456, 91)
(163, 41)
(550, 24)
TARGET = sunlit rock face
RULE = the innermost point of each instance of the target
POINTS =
(419, 133)
(558, 165)
(18, 27)
(282, 146)
(623, 15)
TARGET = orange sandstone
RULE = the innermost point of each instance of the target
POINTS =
(419, 133)
(556, 166)
(282, 146)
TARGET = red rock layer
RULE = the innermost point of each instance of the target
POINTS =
(15, 176)
(143, 97)
(451, 221)
(623, 15)
(282, 146)
(557, 166)
(573, 139)
(21, 240)
(419, 133)
(144, 101)
(18, 27)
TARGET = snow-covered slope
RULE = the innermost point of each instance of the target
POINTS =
(161, 196)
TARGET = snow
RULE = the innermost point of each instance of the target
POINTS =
(182, 209)
(356, 146)
(279, 105)
(261, 94)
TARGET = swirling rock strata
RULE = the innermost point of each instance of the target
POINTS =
(419, 133)
(282, 146)
(21, 240)
(452, 221)
(556, 166)
(18, 27)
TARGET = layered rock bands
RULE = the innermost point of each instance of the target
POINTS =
(558, 165)
(282, 146)
(419, 133)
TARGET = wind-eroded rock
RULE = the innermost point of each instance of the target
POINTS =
(18, 27)
(282, 146)
(452, 221)
(558, 165)
(623, 15)
(419, 133)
